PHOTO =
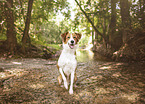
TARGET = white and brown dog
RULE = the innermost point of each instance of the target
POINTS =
(67, 62)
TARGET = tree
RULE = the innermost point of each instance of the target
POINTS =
(112, 27)
(125, 17)
(26, 39)
(11, 33)
(93, 25)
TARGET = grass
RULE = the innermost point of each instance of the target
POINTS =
(55, 46)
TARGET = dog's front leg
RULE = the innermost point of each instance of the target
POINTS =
(64, 78)
(71, 83)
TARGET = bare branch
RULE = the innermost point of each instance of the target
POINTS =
(94, 27)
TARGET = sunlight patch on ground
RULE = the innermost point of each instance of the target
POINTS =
(101, 91)
(117, 74)
(17, 63)
(2, 75)
(132, 97)
(105, 67)
(17, 72)
(96, 77)
(92, 79)
(119, 64)
(108, 63)
(12, 72)
(36, 86)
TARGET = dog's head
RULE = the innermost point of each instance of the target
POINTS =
(71, 39)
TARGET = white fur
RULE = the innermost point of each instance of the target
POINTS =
(67, 64)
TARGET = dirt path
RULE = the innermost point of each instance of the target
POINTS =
(35, 81)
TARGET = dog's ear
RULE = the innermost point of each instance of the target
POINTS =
(78, 35)
(63, 36)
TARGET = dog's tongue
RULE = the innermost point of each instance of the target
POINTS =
(71, 46)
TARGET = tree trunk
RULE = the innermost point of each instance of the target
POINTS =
(11, 33)
(126, 21)
(26, 42)
(112, 27)
(104, 32)
(95, 42)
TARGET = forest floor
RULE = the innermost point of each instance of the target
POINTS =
(34, 80)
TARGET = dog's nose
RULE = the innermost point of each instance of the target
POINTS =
(72, 41)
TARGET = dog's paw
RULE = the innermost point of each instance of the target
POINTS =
(65, 84)
(70, 91)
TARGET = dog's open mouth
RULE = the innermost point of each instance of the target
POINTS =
(71, 46)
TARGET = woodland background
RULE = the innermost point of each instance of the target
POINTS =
(30, 28)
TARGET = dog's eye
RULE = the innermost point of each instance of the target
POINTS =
(74, 37)
(68, 37)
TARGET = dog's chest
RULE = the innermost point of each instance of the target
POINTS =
(67, 59)
(67, 62)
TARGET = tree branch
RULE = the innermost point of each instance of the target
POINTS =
(94, 27)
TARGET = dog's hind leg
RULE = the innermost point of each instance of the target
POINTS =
(59, 78)
(76, 77)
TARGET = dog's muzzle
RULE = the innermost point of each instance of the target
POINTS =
(71, 44)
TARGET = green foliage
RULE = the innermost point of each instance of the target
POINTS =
(45, 28)
(55, 46)
(3, 37)
(84, 41)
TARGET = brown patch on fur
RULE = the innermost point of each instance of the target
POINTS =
(66, 36)
(78, 35)
(75, 77)
(59, 78)
(57, 66)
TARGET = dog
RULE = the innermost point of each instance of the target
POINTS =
(67, 63)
